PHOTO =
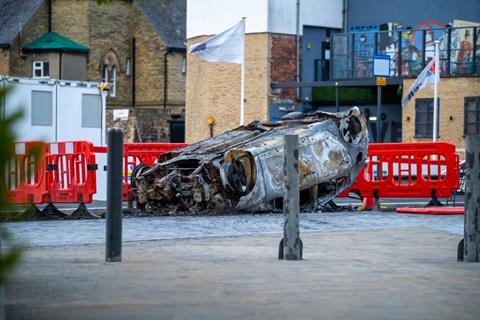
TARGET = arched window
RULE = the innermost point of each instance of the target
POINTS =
(110, 75)
(110, 66)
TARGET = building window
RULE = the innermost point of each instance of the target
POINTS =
(424, 117)
(91, 111)
(41, 69)
(184, 65)
(42, 110)
(110, 75)
(127, 67)
(472, 115)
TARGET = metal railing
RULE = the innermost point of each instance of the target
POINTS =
(409, 50)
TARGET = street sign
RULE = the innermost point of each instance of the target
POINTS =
(381, 81)
(381, 65)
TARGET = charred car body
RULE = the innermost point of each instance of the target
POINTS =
(242, 169)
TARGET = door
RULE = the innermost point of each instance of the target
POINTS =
(325, 65)
(177, 130)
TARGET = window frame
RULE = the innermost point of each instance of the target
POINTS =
(98, 116)
(35, 122)
(113, 91)
(429, 118)
(184, 65)
(41, 68)
(477, 115)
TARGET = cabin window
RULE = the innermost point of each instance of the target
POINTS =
(41, 69)
(91, 111)
(42, 110)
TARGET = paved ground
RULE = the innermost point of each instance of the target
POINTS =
(389, 273)
(99, 207)
(62, 232)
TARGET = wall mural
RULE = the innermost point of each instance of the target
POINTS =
(417, 48)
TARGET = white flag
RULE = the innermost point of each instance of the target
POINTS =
(227, 46)
(428, 76)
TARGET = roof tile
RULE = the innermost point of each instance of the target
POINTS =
(168, 17)
(14, 14)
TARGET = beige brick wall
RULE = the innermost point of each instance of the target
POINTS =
(451, 92)
(108, 30)
(70, 19)
(213, 89)
(149, 62)
(4, 61)
(176, 79)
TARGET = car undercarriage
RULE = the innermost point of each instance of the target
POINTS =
(242, 169)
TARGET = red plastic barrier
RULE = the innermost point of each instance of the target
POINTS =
(405, 170)
(433, 210)
(25, 175)
(71, 170)
(137, 153)
(65, 171)
(146, 153)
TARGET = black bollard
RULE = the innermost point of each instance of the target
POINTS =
(113, 252)
(471, 245)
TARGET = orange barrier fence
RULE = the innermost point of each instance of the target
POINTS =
(142, 153)
(65, 172)
(25, 176)
(51, 173)
(61, 172)
(135, 154)
(404, 170)
(71, 170)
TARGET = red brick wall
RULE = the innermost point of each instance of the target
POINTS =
(283, 64)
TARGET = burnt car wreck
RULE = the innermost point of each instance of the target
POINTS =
(242, 169)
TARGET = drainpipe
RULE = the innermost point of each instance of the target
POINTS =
(345, 16)
(49, 15)
(298, 49)
(60, 67)
(134, 98)
(134, 90)
(165, 78)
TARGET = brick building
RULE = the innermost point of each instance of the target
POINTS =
(138, 45)
(404, 31)
(334, 64)
(213, 89)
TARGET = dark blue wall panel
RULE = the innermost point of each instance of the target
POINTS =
(410, 13)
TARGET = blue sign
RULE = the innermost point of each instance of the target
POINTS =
(381, 65)
(365, 28)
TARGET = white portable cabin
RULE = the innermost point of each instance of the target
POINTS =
(58, 110)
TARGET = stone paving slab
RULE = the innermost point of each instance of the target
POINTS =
(406, 273)
(63, 232)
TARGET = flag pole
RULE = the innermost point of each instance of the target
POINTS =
(435, 90)
(242, 84)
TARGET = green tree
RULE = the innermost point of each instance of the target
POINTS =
(9, 256)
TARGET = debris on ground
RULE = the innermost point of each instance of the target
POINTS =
(331, 206)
